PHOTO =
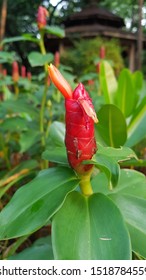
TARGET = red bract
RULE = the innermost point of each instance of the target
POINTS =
(102, 52)
(57, 59)
(23, 71)
(80, 117)
(41, 17)
(15, 71)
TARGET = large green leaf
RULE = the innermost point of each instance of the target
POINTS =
(38, 59)
(112, 126)
(134, 213)
(130, 198)
(137, 125)
(33, 204)
(89, 228)
(137, 77)
(121, 154)
(131, 182)
(126, 94)
(108, 82)
(40, 250)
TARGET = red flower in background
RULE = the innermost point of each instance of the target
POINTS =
(23, 71)
(41, 17)
(15, 71)
(80, 117)
(57, 59)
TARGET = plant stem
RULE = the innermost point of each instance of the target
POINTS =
(44, 97)
(85, 183)
(16, 89)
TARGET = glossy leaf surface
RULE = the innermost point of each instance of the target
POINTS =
(112, 126)
(137, 125)
(84, 229)
(133, 210)
(108, 82)
(126, 95)
(33, 204)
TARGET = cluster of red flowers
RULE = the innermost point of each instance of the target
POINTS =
(15, 72)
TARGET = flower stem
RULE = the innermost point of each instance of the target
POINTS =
(44, 97)
(85, 183)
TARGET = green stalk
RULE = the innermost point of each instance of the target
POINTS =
(44, 97)
(85, 183)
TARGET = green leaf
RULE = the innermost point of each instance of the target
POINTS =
(40, 250)
(108, 82)
(89, 228)
(14, 124)
(38, 59)
(57, 133)
(20, 38)
(137, 127)
(55, 30)
(137, 77)
(130, 198)
(112, 126)
(33, 204)
(130, 182)
(28, 139)
(126, 95)
(58, 155)
(133, 210)
(20, 106)
(107, 165)
(121, 154)
(7, 57)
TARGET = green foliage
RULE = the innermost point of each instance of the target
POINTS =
(37, 185)
(83, 56)
(128, 99)
(82, 222)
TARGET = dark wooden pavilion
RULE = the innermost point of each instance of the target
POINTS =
(94, 21)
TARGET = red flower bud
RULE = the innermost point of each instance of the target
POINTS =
(23, 71)
(5, 72)
(57, 59)
(15, 71)
(41, 17)
(80, 117)
(102, 52)
(98, 67)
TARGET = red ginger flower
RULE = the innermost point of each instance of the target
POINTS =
(80, 117)
(23, 71)
(15, 71)
(41, 17)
